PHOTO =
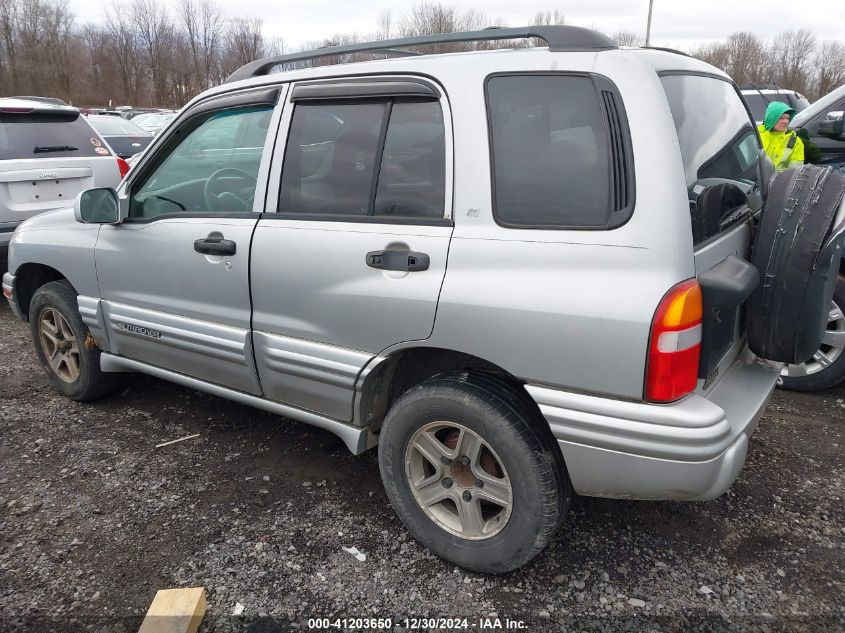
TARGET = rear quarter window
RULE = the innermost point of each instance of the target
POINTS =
(558, 156)
(47, 136)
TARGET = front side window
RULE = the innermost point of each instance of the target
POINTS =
(381, 157)
(214, 167)
(550, 152)
(719, 147)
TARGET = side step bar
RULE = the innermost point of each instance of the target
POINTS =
(357, 440)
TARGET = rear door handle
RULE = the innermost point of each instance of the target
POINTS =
(398, 260)
(214, 244)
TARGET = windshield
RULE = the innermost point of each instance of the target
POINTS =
(115, 126)
(819, 106)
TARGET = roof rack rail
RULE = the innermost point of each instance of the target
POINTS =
(558, 37)
(666, 50)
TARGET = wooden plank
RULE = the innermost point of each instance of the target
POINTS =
(175, 611)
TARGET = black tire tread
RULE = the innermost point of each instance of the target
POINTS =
(533, 436)
(92, 383)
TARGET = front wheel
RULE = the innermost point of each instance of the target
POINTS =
(60, 336)
(473, 472)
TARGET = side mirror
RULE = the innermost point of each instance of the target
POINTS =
(832, 127)
(97, 206)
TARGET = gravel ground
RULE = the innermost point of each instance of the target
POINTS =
(94, 519)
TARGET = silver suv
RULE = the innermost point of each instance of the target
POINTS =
(48, 154)
(484, 264)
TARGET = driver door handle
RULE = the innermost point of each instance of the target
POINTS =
(214, 244)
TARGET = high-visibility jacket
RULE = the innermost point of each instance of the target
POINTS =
(784, 148)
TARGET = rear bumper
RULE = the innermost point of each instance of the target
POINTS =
(693, 449)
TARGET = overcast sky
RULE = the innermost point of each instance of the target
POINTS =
(676, 23)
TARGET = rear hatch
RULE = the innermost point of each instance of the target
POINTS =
(720, 148)
(47, 156)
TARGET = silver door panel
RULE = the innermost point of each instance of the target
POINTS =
(308, 375)
(312, 282)
(151, 276)
(209, 351)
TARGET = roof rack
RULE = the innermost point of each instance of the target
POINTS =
(666, 50)
(558, 37)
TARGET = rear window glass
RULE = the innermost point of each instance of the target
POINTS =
(719, 145)
(114, 125)
(46, 136)
(550, 152)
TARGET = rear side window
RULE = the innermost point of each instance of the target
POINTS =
(719, 145)
(381, 157)
(558, 152)
(47, 136)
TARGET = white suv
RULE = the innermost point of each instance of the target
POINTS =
(48, 154)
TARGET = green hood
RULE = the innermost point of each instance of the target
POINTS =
(774, 111)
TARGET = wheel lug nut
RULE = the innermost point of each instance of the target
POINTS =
(479, 483)
(445, 461)
(464, 460)
(467, 496)
(447, 482)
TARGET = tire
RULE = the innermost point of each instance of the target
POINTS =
(812, 375)
(465, 410)
(798, 262)
(58, 330)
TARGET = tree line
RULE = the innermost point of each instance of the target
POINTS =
(144, 53)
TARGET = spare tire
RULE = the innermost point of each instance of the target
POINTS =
(797, 252)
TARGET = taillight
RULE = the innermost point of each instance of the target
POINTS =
(8, 110)
(123, 166)
(674, 346)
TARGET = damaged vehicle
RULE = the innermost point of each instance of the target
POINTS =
(518, 274)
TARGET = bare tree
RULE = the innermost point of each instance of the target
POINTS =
(125, 48)
(830, 67)
(203, 29)
(243, 43)
(627, 38)
(157, 37)
(791, 59)
(548, 17)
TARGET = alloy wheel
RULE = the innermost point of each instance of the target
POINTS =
(60, 347)
(833, 345)
(458, 480)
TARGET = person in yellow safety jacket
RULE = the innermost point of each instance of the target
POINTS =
(782, 146)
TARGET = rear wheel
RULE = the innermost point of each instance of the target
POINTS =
(60, 336)
(827, 366)
(473, 472)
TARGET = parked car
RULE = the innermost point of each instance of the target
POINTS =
(817, 121)
(135, 112)
(48, 154)
(285, 245)
(154, 123)
(53, 100)
(759, 97)
(123, 137)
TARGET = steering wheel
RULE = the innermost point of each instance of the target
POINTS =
(226, 200)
